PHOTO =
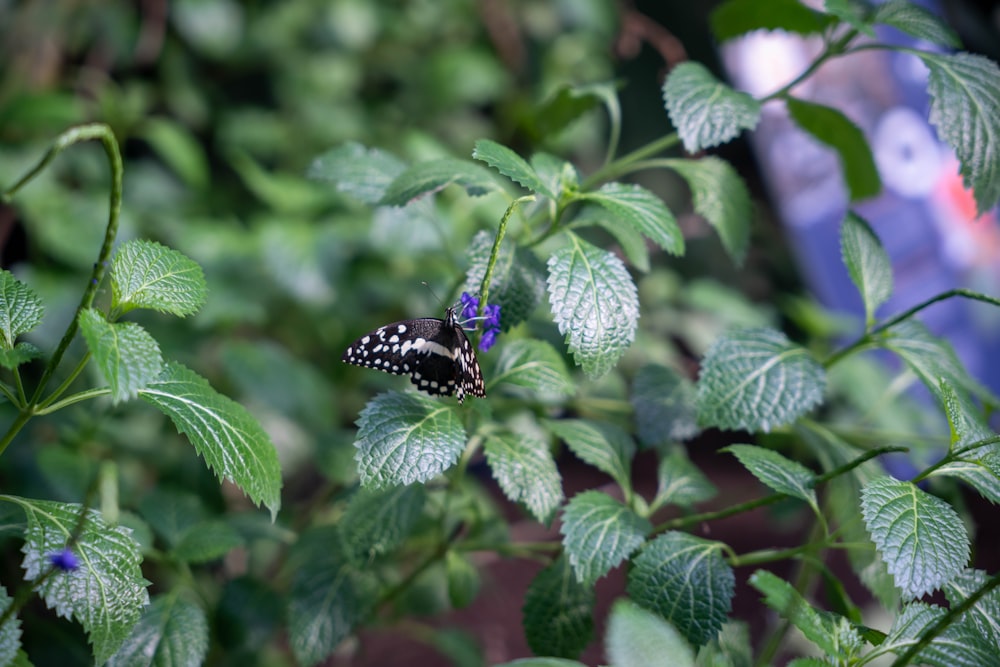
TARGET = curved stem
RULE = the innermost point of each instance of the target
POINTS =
(484, 289)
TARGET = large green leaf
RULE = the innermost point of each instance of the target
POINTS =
(511, 165)
(705, 111)
(921, 538)
(601, 444)
(665, 407)
(755, 380)
(428, 177)
(777, 472)
(867, 263)
(10, 631)
(680, 482)
(599, 533)
(222, 431)
(405, 438)
(737, 17)
(916, 21)
(173, 632)
(207, 541)
(959, 645)
(642, 210)
(595, 304)
(525, 470)
(363, 173)
(145, 274)
(533, 367)
(558, 612)
(127, 356)
(685, 580)
(985, 613)
(518, 281)
(378, 520)
(20, 309)
(638, 638)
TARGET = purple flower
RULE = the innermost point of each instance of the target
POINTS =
(491, 319)
(64, 560)
(488, 339)
(470, 306)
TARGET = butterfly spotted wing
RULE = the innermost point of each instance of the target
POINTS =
(435, 353)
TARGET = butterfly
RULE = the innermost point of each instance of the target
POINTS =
(435, 353)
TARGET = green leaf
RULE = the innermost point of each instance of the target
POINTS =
(558, 612)
(179, 148)
(10, 631)
(566, 105)
(721, 197)
(20, 309)
(965, 103)
(518, 284)
(921, 538)
(145, 274)
(738, 17)
(107, 594)
(172, 512)
(685, 580)
(853, 13)
(642, 210)
(525, 470)
(633, 243)
(601, 444)
(599, 533)
(435, 175)
(127, 356)
(638, 638)
(665, 406)
(732, 647)
(405, 438)
(594, 303)
(222, 431)
(985, 613)
(756, 380)
(959, 645)
(833, 128)
(867, 263)
(363, 173)
(705, 111)
(172, 631)
(22, 353)
(557, 174)
(207, 541)
(533, 367)
(818, 627)
(511, 165)
(777, 472)
(680, 482)
(463, 579)
(378, 520)
(916, 21)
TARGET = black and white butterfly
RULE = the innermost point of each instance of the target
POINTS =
(435, 353)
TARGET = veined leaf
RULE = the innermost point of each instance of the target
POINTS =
(363, 173)
(377, 521)
(557, 174)
(535, 366)
(777, 472)
(599, 533)
(601, 444)
(10, 631)
(920, 537)
(852, 13)
(127, 356)
(721, 197)
(207, 541)
(985, 613)
(644, 211)
(511, 165)
(405, 438)
(731, 648)
(594, 302)
(569, 103)
(21, 353)
(145, 274)
(525, 470)
(558, 612)
(959, 645)
(172, 631)
(685, 580)
(518, 282)
(916, 21)
(20, 309)
(222, 431)
(738, 17)
(107, 593)
(435, 175)
(633, 243)
(638, 638)
(665, 406)
(867, 263)
(965, 103)
(756, 379)
(680, 482)
(705, 111)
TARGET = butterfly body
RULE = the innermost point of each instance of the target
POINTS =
(435, 353)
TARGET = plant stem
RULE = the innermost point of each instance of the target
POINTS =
(484, 288)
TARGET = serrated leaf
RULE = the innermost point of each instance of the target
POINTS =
(10, 631)
(435, 175)
(377, 521)
(916, 21)
(594, 303)
(738, 17)
(22, 353)
(172, 631)
(818, 627)
(511, 165)
(638, 638)
(867, 263)
(20, 309)
(705, 111)
(127, 356)
(965, 103)
(680, 482)
(405, 438)
(641, 209)
(518, 282)
(968, 425)
(525, 470)
(732, 647)
(665, 406)
(534, 366)
(959, 645)
(107, 593)
(558, 175)
(777, 472)
(980, 469)
(599, 533)
(363, 173)
(222, 431)
(633, 243)
(558, 612)
(721, 197)
(755, 380)
(852, 13)
(601, 444)
(145, 274)
(685, 580)
(834, 129)
(985, 613)
(207, 541)
(921, 538)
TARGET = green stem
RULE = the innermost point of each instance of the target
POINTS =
(484, 289)
(624, 164)
(64, 385)
(74, 398)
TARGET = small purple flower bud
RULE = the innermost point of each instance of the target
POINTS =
(488, 339)
(65, 560)
(470, 306)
